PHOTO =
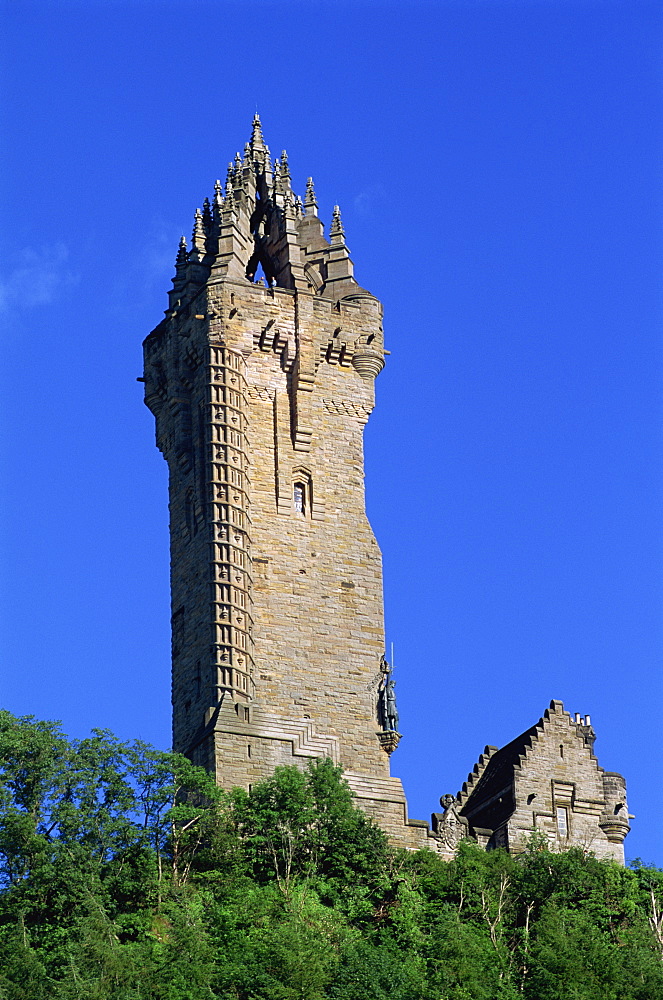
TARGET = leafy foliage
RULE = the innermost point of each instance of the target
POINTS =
(126, 874)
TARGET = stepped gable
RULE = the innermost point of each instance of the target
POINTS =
(547, 779)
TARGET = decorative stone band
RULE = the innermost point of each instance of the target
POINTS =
(348, 408)
(259, 392)
(384, 799)
(366, 786)
(305, 740)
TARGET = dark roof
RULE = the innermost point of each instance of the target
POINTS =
(498, 773)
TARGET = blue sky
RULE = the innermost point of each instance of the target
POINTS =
(498, 168)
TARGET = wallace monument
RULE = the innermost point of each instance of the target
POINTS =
(261, 379)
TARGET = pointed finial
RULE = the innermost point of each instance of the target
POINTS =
(336, 229)
(207, 215)
(182, 254)
(218, 196)
(247, 152)
(218, 201)
(238, 161)
(198, 224)
(310, 201)
(299, 207)
(285, 169)
(287, 203)
(198, 238)
(256, 132)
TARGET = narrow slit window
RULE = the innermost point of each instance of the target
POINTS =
(299, 498)
(190, 513)
(562, 822)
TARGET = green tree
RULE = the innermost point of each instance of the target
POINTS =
(125, 874)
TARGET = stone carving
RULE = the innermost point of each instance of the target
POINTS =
(450, 827)
(367, 362)
(390, 710)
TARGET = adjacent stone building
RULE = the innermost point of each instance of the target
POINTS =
(260, 378)
(546, 781)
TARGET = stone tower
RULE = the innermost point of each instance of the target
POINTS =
(261, 387)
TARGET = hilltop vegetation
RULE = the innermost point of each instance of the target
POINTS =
(125, 874)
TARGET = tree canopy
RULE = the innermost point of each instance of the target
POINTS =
(126, 874)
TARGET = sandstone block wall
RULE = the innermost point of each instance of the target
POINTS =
(276, 575)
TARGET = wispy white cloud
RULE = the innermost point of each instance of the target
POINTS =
(156, 258)
(368, 199)
(37, 278)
